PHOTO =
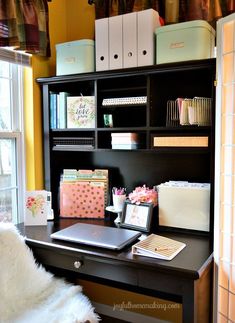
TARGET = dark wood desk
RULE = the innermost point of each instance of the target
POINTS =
(186, 278)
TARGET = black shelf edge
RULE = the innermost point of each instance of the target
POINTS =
(73, 129)
(162, 150)
(148, 70)
(145, 128)
(123, 129)
(182, 129)
(120, 89)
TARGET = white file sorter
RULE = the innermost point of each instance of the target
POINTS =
(102, 44)
(115, 42)
(184, 205)
(130, 40)
(147, 22)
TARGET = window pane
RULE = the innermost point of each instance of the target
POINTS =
(4, 69)
(7, 157)
(12, 180)
(5, 102)
(8, 185)
(8, 205)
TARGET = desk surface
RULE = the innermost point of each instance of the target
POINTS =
(189, 263)
(186, 278)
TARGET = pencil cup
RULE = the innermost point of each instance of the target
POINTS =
(118, 202)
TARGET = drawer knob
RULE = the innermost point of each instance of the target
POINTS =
(77, 264)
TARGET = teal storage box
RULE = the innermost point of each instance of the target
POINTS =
(184, 41)
(75, 57)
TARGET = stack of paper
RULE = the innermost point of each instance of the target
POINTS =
(125, 140)
(156, 246)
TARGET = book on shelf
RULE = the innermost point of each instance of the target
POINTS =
(62, 120)
(180, 141)
(58, 110)
(53, 110)
(157, 246)
(80, 112)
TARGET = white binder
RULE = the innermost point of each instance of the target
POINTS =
(102, 44)
(115, 42)
(130, 40)
(147, 22)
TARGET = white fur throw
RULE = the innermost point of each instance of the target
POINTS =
(30, 294)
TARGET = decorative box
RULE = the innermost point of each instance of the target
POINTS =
(184, 41)
(75, 57)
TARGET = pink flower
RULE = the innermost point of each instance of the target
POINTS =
(143, 195)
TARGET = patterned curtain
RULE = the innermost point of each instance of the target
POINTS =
(209, 10)
(24, 25)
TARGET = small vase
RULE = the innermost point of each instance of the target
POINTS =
(118, 202)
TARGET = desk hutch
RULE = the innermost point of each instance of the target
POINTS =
(146, 165)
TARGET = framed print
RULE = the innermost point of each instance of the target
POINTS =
(137, 217)
(80, 112)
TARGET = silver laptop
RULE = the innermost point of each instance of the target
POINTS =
(97, 235)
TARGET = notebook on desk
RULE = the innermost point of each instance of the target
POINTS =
(97, 235)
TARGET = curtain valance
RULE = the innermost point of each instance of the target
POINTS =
(24, 25)
(209, 10)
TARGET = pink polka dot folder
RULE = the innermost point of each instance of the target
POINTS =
(82, 199)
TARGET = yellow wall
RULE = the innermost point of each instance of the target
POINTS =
(81, 20)
(68, 20)
(57, 28)
(33, 123)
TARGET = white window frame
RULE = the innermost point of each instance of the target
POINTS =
(17, 133)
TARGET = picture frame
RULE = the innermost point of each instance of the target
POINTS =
(137, 217)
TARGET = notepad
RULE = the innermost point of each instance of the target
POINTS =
(156, 246)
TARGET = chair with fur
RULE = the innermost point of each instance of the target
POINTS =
(28, 293)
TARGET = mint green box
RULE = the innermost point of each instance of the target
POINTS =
(75, 57)
(184, 41)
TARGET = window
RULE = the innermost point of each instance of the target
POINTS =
(12, 174)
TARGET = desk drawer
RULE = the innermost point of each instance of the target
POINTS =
(96, 267)
(161, 282)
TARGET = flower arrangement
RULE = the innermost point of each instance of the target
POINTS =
(119, 191)
(143, 195)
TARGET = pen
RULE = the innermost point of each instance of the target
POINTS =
(163, 248)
